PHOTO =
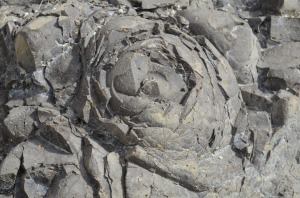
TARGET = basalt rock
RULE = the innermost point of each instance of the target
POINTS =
(134, 98)
(283, 72)
(227, 33)
(284, 29)
(283, 6)
(150, 59)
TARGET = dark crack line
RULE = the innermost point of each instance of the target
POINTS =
(107, 176)
(93, 183)
(123, 181)
(18, 190)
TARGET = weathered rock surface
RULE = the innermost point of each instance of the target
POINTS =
(229, 35)
(282, 6)
(283, 70)
(141, 182)
(147, 98)
(284, 29)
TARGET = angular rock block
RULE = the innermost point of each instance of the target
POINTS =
(286, 106)
(282, 64)
(227, 33)
(73, 185)
(9, 170)
(20, 122)
(48, 44)
(31, 49)
(284, 29)
(256, 99)
(141, 182)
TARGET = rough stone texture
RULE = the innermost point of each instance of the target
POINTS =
(30, 51)
(284, 29)
(143, 183)
(147, 98)
(20, 122)
(157, 3)
(283, 67)
(282, 6)
(229, 35)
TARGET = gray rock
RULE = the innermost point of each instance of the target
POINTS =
(45, 114)
(256, 99)
(133, 98)
(142, 110)
(114, 174)
(227, 33)
(283, 79)
(207, 4)
(94, 162)
(238, 5)
(141, 182)
(283, 69)
(6, 196)
(253, 131)
(37, 152)
(21, 2)
(209, 23)
(38, 181)
(58, 136)
(284, 7)
(65, 70)
(72, 185)
(244, 55)
(20, 122)
(156, 3)
(284, 107)
(9, 169)
(280, 57)
(31, 50)
(261, 129)
(284, 29)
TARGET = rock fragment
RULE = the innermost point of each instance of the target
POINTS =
(141, 182)
(285, 106)
(156, 3)
(256, 99)
(113, 174)
(9, 170)
(209, 23)
(72, 185)
(38, 181)
(20, 122)
(31, 49)
(94, 161)
(260, 126)
(228, 36)
(284, 7)
(284, 29)
(282, 65)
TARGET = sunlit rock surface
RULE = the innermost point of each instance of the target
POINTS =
(129, 98)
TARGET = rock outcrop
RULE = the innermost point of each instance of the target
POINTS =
(147, 98)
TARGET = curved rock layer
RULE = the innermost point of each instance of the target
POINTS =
(149, 98)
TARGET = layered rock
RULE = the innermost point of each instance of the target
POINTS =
(151, 98)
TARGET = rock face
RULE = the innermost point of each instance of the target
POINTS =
(282, 6)
(229, 35)
(149, 99)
